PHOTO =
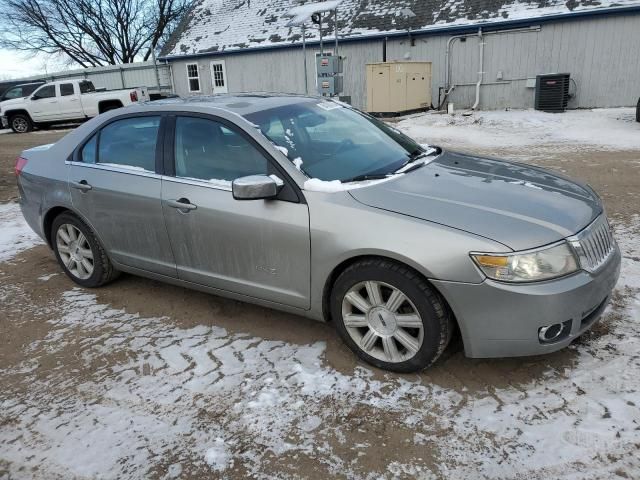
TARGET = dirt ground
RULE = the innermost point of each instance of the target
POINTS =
(199, 386)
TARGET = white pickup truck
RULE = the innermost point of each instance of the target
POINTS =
(64, 101)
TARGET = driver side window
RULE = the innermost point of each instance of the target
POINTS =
(211, 151)
(48, 91)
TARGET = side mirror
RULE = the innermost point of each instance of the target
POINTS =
(256, 187)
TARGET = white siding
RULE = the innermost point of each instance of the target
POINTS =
(601, 53)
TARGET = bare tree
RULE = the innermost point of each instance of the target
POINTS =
(89, 32)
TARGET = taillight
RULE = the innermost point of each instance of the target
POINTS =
(20, 164)
(133, 96)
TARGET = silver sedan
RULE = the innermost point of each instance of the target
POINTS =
(309, 206)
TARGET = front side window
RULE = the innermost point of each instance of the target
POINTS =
(66, 89)
(332, 142)
(193, 77)
(130, 143)
(87, 86)
(208, 150)
(48, 91)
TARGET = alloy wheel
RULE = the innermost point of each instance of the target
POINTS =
(20, 125)
(382, 321)
(75, 251)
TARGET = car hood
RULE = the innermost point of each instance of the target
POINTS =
(517, 205)
(7, 103)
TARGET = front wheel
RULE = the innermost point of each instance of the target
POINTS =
(638, 111)
(390, 316)
(79, 252)
(21, 123)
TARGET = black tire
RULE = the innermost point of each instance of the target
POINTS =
(438, 325)
(20, 123)
(103, 271)
(638, 111)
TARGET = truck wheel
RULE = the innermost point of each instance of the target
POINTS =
(20, 123)
(638, 111)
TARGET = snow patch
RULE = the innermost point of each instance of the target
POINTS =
(15, 235)
(607, 128)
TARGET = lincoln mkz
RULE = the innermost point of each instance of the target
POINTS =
(310, 206)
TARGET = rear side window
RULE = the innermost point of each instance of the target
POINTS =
(208, 150)
(89, 151)
(66, 89)
(130, 142)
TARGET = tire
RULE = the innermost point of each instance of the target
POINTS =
(20, 123)
(421, 318)
(62, 239)
(638, 111)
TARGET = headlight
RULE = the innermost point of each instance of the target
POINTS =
(531, 266)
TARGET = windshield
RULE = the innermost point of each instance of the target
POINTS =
(331, 142)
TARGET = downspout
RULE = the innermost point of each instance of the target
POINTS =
(304, 56)
(481, 71)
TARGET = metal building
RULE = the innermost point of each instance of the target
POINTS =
(499, 45)
(156, 77)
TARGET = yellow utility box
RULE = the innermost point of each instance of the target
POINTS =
(394, 87)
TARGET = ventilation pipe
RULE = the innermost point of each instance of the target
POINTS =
(481, 69)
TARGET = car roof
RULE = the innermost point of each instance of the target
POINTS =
(28, 84)
(239, 103)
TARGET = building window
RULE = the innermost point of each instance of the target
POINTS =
(218, 75)
(193, 77)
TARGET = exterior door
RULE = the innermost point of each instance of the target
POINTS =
(218, 77)
(44, 103)
(70, 105)
(258, 248)
(115, 187)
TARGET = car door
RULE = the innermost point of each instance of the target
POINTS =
(70, 106)
(44, 104)
(258, 248)
(115, 187)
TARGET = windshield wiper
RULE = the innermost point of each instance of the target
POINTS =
(413, 164)
(370, 176)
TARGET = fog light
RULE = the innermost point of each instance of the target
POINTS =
(555, 332)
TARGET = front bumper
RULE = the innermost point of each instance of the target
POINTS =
(5, 121)
(502, 320)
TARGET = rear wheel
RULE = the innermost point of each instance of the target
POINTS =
(79, 252)
(390, 316)
(20, 123)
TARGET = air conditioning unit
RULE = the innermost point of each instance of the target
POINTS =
(552, 92)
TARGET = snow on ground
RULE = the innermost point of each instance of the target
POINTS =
(613, 128)
(145, 394)
(15, 234)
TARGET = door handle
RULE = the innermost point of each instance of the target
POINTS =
(181, 204)
(82, 185)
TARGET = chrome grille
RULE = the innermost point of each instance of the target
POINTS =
(594, 245)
